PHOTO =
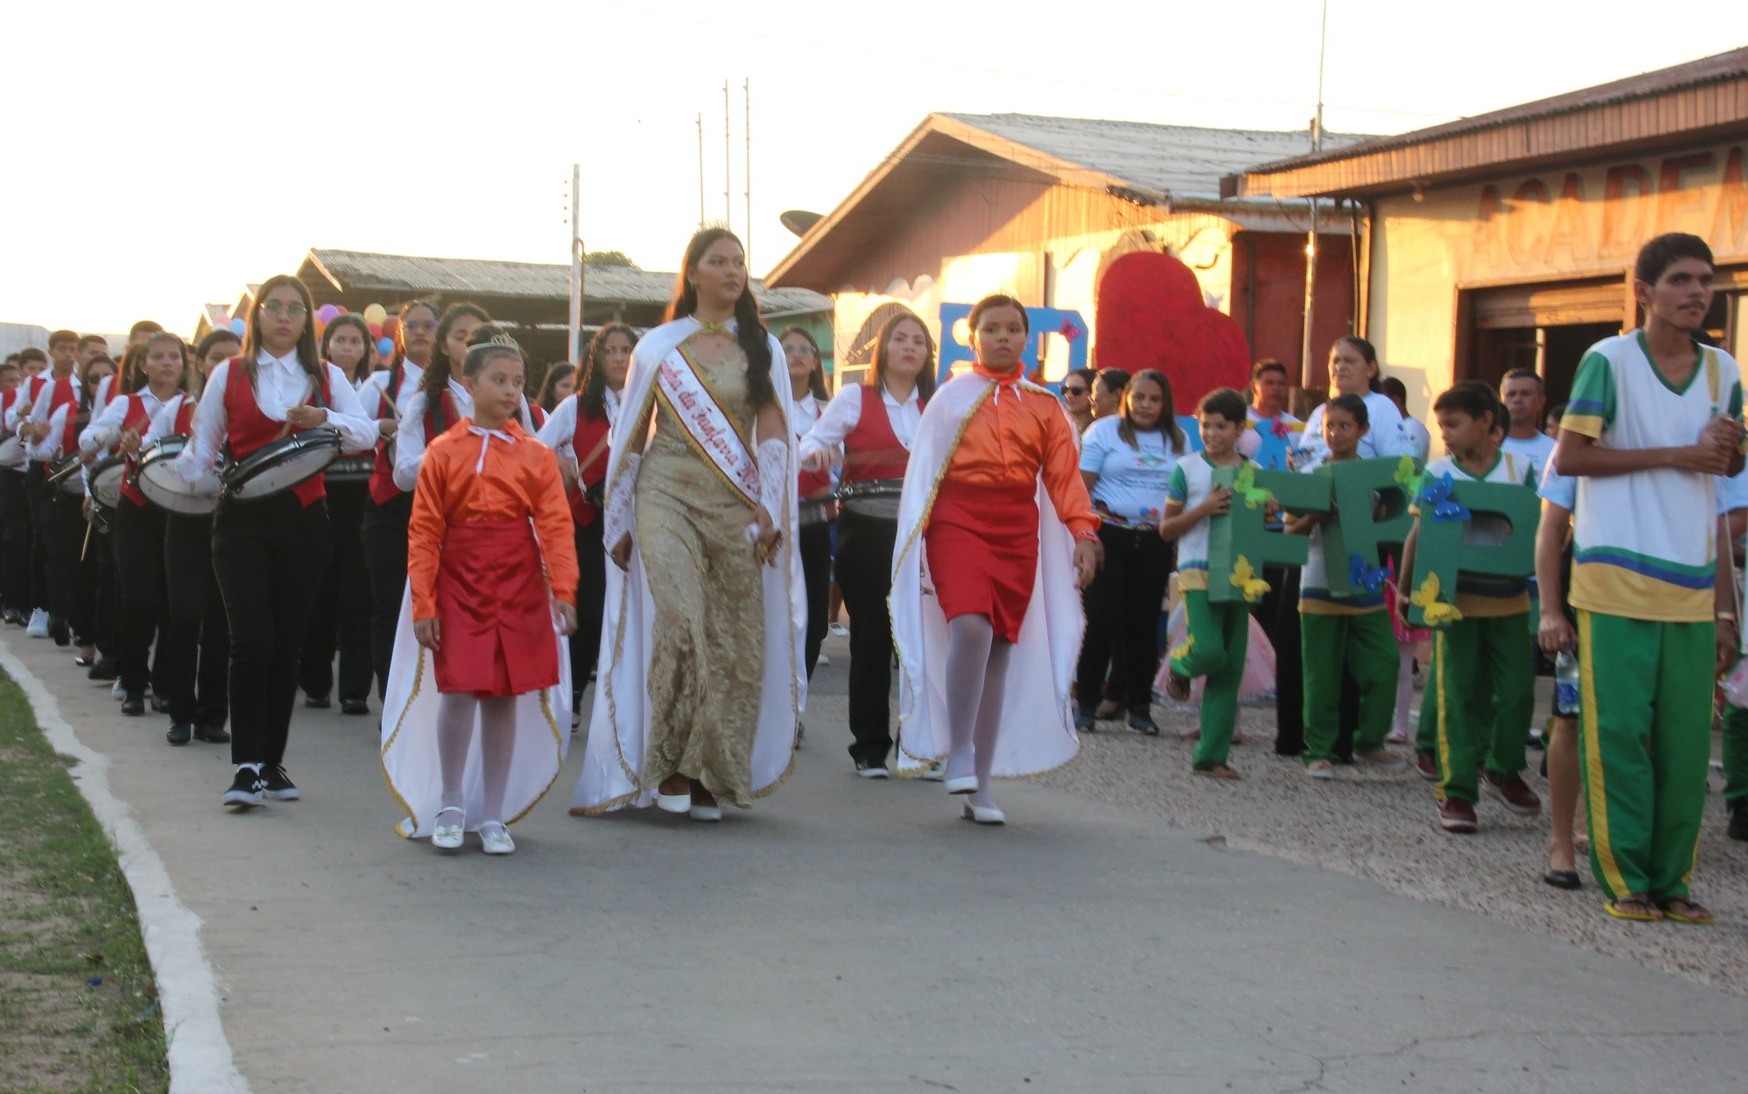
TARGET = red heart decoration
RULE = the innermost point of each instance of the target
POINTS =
(1151, 314)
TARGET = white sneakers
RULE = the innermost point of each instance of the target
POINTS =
(39, 624)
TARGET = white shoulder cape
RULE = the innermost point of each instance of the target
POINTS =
(619, 725)
(1037, 732)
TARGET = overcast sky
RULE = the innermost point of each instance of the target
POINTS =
(158, 156)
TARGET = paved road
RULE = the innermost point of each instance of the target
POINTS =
(847, 935)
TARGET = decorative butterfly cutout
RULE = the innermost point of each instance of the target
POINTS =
(1281, 429)
(1436, 495)
(1370, 578)
(1244, 577)
(1408, 475)
(1245, 486)
(1432, 610)
(1182, 649)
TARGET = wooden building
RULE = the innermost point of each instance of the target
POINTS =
(1507, 239)
(1039, 207)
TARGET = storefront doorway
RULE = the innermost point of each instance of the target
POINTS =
(1545, 327)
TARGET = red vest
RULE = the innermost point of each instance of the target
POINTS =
(537, 414)
(248, 430)
(589, 446)
(812, 484)
(64, 396)
(872, 451)
(136, 418)
(7, 398)
(382, 476)
(184, 423)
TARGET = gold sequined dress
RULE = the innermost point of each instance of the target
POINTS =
(707, 657)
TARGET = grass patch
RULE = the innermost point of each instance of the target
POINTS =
(78, 1008)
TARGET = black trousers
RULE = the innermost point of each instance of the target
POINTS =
(864, 571)
(70, 599)
(591, 601)
(816, 567)
(1278, 615)
(385, 563)
(138, 531)
(1122, 612)
(194, 649)
(340, 616)
(14, 541)
(269, 555)
(36, 496)
(98, 584)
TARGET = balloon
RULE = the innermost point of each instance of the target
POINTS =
(391, 326)
(386, 347)
(376, 313)
(375, 329)
(327, 312)
(238, 327)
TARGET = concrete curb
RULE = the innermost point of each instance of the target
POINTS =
(200, 1055)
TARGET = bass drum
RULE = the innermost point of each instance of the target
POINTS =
(277, 467)
(105, 479)
(158, 481)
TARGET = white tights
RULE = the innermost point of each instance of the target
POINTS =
(977, 669)
(497, 736)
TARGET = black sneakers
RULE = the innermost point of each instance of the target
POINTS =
(180, 733)
(134, 705)
(215, 735)
(247, 789)
(872, 769)
(278, 785)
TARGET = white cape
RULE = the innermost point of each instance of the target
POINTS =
(620, 723)
(1037, 728)
(409, 738)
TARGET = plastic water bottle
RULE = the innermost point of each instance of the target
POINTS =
(1566, 684)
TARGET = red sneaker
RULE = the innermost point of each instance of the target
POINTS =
(1456, 815)
(1514, 793)
(1427, 764)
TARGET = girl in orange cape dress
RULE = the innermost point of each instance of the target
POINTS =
(491, 565)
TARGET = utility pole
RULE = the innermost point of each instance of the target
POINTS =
(1305, 347)
(747, 236)
(727, 166)
(576, 313)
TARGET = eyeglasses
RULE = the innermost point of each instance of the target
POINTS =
(1066, 390)
(275, 307)
(420, 326)
(798, 351)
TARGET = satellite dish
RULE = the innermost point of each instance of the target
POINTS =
(800, 221)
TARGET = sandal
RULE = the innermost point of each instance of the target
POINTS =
(1177, 687)
(1217, 771)
(1637, 908)
(1683, 910)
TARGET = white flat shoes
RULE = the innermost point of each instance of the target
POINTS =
(674, 803)
(447, 837)
(496, 839)
(705, 812)
(983, 814)
(964, 784)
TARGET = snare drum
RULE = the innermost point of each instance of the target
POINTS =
(816, 511)
(352, 468)
(12, 451)
(64, 476)
(872, 497)
(163, 487)
(106, 478)
(279, 466)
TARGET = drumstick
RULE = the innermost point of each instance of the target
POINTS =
(86, 546)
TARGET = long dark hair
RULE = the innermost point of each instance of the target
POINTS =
(816, 378)
(750, 332)
(592, 388)
(1167, 413)
(436, 379)
(925, 380)
(307, 355)
(550, 385)
(407, 309)
(130, 376)
(357, 323)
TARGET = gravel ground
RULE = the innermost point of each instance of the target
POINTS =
(1383, 827)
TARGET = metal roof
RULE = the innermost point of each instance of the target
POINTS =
(1159, 161)
(403, 276)
(1544, 128)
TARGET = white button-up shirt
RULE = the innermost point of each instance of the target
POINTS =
(280, 384)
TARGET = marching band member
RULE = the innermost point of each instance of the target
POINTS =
(387, 396)
(340, 618)
(441, 401)
(14, 509)
(985, 662)
(269, 552)
(808, 396)
(875, 423)
(701, 685)
(485, 590)
(156, 372)
(194, 644)
(577, 430)
(58, 520)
